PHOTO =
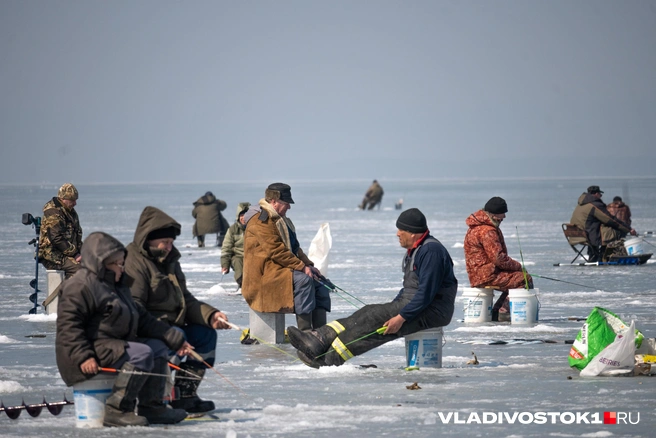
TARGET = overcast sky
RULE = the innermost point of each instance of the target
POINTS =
(111, 91)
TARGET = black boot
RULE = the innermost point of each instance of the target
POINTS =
(313, 363)
(310, 342)
(119, 407)
(151, 396)
(318, 318)
(189, 400)
(304, 322)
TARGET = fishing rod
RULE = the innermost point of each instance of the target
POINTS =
(562, 281)
(522, 257)
(261, 341)
(142, 373)
(334, 288)
(34, 410)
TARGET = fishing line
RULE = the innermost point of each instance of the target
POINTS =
(563, 281)
(380, 331)
(199, 358)
(522, 257)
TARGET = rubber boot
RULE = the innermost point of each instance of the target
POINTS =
(119, 407)
(189, 400)
(312, 363)
(304, 322)
(318, 318)
(201, 241)
(151, 398)
(310, 342)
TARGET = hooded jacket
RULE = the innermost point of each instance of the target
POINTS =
(161, 287)
(485, 250)
(207, 212)
(590, 213)
(233, 244)
(96, 316)
(270, 257)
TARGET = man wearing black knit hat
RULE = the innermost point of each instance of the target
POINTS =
(486, 255)
(425, 301)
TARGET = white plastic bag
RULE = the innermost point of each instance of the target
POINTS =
(617, 358)
(320, 247)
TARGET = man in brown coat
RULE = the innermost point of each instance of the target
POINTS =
(278, 276)
(486, 255)
(209, 220)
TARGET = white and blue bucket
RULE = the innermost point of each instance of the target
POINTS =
(424, 349)
(524, 306)
(633, 246)
(477, 304)
(90, 397)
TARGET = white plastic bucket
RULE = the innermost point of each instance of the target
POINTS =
(477, 304)
(424, 348)
(524, 306)
(90, 397)
(633, 246)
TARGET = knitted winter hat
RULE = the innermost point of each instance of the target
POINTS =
(412, 221)
(170, 232)
(496, 205)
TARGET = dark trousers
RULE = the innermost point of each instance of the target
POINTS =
(203, 339)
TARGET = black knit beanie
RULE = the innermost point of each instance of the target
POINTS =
(412, 221)
(170, 232)
(496, 205)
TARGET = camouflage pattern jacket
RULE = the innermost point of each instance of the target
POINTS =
(485, 250)
(61, 234)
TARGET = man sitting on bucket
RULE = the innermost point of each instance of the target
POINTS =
(487, 259)
(425, 301)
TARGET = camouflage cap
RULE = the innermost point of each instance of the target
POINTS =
(68, 192)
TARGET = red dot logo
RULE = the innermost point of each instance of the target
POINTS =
(610, 417)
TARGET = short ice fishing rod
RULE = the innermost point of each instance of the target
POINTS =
(143, 373)
(522, 257)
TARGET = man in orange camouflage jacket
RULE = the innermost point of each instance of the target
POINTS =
(486, 255)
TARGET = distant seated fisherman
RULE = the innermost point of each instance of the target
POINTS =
(278, 276)
(486, 255)
(60, 240)
(589, 215)
(232, 251)
(425, 301)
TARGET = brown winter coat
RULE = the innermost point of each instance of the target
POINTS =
(209, 220)
(161, 287)
(96, 316)
(486, 254)
(621, 211)
(268, 284)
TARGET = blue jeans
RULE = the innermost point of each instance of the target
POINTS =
(309, 294)
(202, 338)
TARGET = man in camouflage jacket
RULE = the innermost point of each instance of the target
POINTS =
(60, 240)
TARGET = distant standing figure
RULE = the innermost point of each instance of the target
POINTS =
(60, 241)
(486, 255)
(232, 251)
(373, 197)
(620, 210)
(209, 220)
